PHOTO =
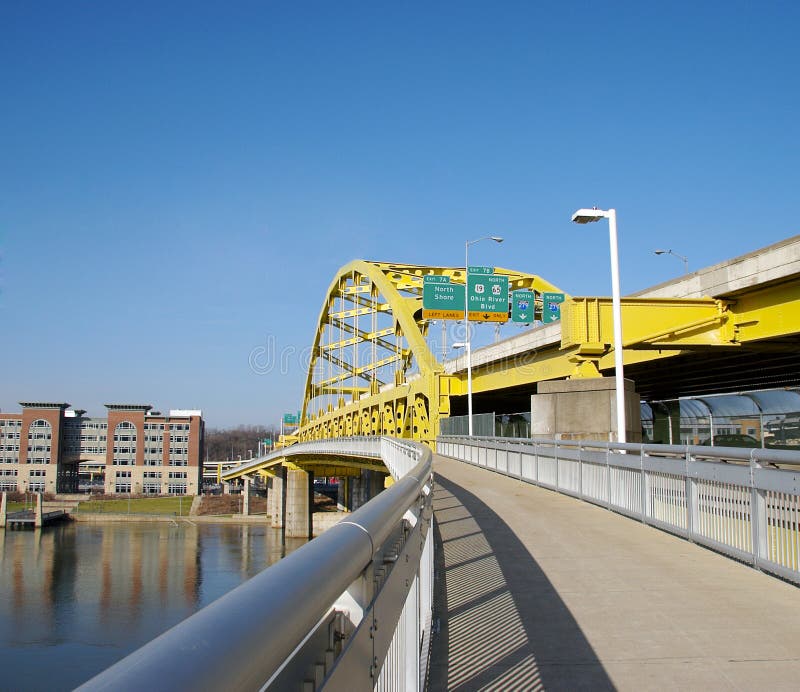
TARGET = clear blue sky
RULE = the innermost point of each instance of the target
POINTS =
(180, 181)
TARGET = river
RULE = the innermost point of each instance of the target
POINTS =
(77, 597)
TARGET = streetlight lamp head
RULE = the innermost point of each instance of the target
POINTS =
(459, 344)
(660, 252)
(496, 238)
(588, 215)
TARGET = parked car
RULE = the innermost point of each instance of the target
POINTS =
(733, 440)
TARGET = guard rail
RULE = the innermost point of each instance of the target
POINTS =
(349, 610)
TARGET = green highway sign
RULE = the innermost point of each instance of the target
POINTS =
(441, 299)
(480, 270)
(290, 419)
(487, 295)
(522, 306)
(551, 306)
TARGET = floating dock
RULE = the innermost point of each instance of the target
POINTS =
(34, 518)
(27, 518)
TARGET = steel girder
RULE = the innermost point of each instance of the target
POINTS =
(371, 371)
(763, 319)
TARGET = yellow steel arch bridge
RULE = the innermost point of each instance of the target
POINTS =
(372, 373)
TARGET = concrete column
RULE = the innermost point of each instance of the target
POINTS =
(298, 507)
(341, 494)
(356, 491)
(246, 497)
(376, 483)
(270, 498)
(276, 496)
(667, 422)
(226, 487)
(583, 409)
(38, 520)
(3, 510)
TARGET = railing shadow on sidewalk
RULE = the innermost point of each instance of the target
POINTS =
(502, 625)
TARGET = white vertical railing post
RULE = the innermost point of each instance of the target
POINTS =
(555, 454)
(690, 491)
(758, 520)
(645, 490)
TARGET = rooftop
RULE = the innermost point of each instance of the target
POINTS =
(44, 404)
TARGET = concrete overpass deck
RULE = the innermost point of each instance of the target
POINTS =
(772, 264)
(759, 350)
(537, 590)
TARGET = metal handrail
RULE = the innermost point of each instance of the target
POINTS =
(240, 640)
(758, 454)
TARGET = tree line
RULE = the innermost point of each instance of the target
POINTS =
(234, 443)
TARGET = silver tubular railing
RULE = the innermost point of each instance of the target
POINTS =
(744, 503)
(349, 610)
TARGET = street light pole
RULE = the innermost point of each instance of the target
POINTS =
(468, 337)
(683, 259)
(588, 216)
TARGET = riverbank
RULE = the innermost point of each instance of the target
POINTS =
(322, 520)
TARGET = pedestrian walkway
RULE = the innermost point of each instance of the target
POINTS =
(539, 591)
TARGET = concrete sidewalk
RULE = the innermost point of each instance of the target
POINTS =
(536, 590)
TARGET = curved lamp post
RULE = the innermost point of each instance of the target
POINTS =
(588, 216)
(683, 259)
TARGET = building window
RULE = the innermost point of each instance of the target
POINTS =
(124, 454)
(123, 474)
(122, 487)
(36, 487)
(151, 488)
(39, 429)
(176, 488)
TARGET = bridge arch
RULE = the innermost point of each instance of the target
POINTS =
(371, 371)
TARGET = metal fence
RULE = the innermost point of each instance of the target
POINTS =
(349, 610)
(744, 503)
(489, 425)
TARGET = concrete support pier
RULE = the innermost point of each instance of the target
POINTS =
(299, 504)
(342, 493)
(360, 489)
(584, 409)
(275, 497)
(246, 497)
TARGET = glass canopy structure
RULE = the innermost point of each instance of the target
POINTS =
(767, 418)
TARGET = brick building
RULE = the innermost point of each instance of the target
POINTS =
(48, 446)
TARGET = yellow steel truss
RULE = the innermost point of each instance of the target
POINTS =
(766, 318)
(371, 371)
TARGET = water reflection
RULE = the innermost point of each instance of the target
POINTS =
(75, 598)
